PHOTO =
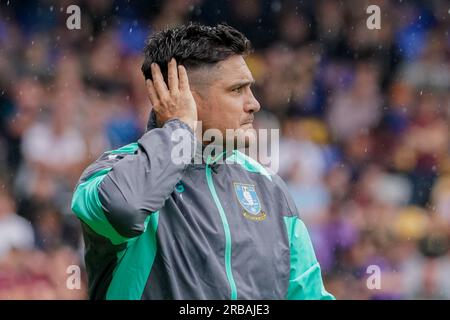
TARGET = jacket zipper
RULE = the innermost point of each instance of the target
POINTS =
(226, 229)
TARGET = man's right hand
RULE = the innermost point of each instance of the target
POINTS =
(177, 100)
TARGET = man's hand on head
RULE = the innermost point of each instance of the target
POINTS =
(176, 101)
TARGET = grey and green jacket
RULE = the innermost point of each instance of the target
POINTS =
(154, 229)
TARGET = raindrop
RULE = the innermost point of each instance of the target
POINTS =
(131, 30)
(51, 8)
(421, 91)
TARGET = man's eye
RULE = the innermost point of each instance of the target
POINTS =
(237, 90)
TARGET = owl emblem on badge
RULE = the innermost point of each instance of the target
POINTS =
(249, 201)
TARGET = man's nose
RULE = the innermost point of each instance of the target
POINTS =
(252, 106)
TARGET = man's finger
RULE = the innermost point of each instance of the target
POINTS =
(158, 83)
(152, 93)
(172, 75)
(184, 81)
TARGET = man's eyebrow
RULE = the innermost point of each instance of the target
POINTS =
(242, 83)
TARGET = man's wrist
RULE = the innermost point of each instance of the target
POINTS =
(180, 123)
(188, 123)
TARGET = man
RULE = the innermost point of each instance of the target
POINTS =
(156, 228)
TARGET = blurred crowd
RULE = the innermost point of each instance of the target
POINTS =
(363, 116)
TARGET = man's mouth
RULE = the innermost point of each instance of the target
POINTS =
(250, 121)
(247, 125)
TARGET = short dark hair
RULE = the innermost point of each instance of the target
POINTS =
(193, 45)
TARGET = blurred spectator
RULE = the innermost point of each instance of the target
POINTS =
(356, 109)
(15, 231)
(40, 276)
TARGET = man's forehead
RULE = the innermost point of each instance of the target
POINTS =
(234, 68)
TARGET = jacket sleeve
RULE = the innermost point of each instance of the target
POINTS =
(116, 194)
(305, 279)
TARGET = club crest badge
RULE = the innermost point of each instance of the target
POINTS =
(248, 199)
